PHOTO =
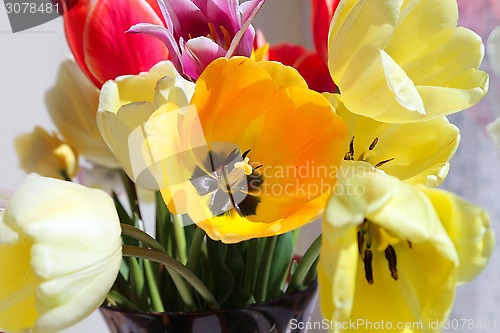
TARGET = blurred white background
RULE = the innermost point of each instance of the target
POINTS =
(28, 67)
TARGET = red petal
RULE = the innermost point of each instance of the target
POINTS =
(322, 13)
(109, 51)
(156, 8)
(287, 53)
(74, 24)
(315, 72)
(260, 39)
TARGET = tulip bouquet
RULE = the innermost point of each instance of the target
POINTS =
(238, 144)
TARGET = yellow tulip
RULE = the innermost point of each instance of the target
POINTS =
(46, 154)
(72, 104)
(405, 61)
(417, 153)
(392, 253)
(255, 154)
(60, 248)
(128, 101)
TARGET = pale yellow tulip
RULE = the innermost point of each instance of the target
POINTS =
(60, 250)
(126, 103)
(72, 104)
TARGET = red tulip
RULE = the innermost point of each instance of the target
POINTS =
(95, 31)
(312, 65)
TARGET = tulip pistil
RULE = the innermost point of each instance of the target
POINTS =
(228, 183)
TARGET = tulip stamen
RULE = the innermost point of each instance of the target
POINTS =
(390, 255)
(349, 156)
(410, 245)
(361, 241)
(227, 38)
(213, 33)
(373, 144)
(379, 164)
(368, 260)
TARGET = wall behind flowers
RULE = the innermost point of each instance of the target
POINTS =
(28, 67)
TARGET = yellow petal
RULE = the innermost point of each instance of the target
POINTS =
(125, 104)
(46, 154)
(358, 23)
(420, 21)
(116, 129)
(420, 67)
(468, 227)
(66, 258)
(424, 288)
(416, 152)
(72, 105)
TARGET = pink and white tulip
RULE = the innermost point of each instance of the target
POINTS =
(200, 31)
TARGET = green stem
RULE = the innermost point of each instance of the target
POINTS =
(140, 235)
(152, 243)
(251, 266)
(115, 298)
(154, 292)
(305, 265)
(195, 249)
(266, 268)
(165, 259)
(131, 194)
(180, 238)
(65, 176)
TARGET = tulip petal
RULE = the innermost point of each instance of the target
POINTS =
(198, 53)
(165, 36)
(46, 154)
(322, 13)
(72, 105)
(136, 53)
(415, 152)
(117, 127)
(377, 60)
(407, 213)
(367, 22)
(56, 220)
(224, 13)
(315, 71)
(187, 19)
(421, 21)
(469, 228)
(75, 21)
(287, 53)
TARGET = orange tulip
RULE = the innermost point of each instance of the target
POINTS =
(95, 31)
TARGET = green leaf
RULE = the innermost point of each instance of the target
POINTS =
(282, 257)
(222, 277)
(164, 229)
(234, 263)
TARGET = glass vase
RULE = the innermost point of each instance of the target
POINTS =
(284, 314)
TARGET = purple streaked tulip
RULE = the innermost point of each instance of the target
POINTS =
(200, 31)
